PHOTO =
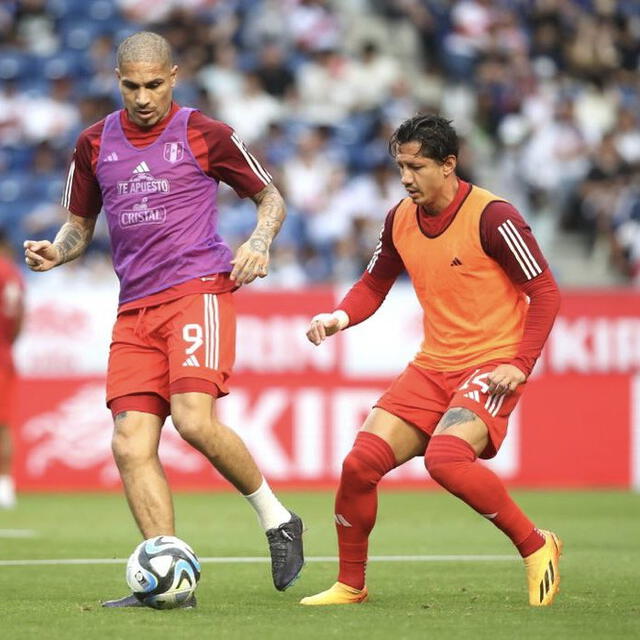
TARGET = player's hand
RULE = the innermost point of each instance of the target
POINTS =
(41, 255)
(505, 379)
(326, 324)
(250, 262)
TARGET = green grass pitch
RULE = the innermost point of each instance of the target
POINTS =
(600, 596)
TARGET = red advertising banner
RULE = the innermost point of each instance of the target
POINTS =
(298, 407)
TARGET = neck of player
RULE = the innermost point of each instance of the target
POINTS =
(443, 198)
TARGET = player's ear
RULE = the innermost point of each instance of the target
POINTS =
(172, 74)
(117, 73)
(449, 165)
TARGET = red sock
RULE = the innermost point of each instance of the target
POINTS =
(357, 503)
(451, 462)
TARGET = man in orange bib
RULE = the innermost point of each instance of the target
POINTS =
(489, 303)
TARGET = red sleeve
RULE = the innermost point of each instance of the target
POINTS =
(82, 195)
(507, 238)
(366, 295)
(544, 302)
(227, 158)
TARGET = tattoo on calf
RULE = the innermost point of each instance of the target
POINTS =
(121, 416)
(457, 416)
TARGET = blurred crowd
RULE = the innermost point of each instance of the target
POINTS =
(544, 93)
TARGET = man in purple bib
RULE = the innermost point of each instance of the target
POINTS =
(154, 168)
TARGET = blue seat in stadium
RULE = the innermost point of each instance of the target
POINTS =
(16, 158)
(8, 216)
(66, 63)
(34, 85)
(13, 217)
(14, 186)
(51, 186)
(102, 10)
(15, 64)
(69, 8)
(78, 35)
(17, 186)
(12, 214)
(99, 10)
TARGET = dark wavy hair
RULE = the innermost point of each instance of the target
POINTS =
(437, 138)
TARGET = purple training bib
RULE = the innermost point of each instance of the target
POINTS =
(161, 210)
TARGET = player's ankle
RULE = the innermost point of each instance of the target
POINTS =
(532, 543)
(352, 580)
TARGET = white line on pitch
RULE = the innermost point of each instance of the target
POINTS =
(260, 559)
(18, 533)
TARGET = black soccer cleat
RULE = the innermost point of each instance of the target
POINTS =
(132, 601)
(287, 557)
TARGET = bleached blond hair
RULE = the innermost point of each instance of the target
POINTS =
(144, 46)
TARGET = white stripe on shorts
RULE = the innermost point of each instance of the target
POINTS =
(211, 331)
(216, 363)
(208, 360)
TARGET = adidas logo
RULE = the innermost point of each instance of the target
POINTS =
(547, 581)
(340, 519)
(191, 361)
(112, 157)
(142, 168)
(456, 262)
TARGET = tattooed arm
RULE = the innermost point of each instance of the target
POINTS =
(70, 242)
(252, 258)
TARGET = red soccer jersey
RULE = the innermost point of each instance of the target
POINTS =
(217, 149)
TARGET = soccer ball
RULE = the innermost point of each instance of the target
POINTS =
(163, 572)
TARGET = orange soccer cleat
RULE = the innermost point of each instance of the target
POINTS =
(338, 594)
(543, 577)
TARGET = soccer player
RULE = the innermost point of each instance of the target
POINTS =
(155, 168)
(11, 313)
(489, 302)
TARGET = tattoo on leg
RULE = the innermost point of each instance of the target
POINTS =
(457, 416)
(121, 416)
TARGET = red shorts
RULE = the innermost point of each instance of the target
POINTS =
(421, 397)
(184, 345)
(7, 395)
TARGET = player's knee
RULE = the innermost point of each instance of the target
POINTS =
(446, 454)
(130, 450)
(358, 471)
(196, 428)
(437, 462)
(436, 468)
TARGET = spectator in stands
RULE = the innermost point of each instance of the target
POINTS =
(252, 111)
(274, 71)
(35, 27)
(347, 66)
(325, 94)
(222, 79)
(626, 134)
(626, 229)
(12, 106)
(313, 25)
(51, 117)
(306, 176)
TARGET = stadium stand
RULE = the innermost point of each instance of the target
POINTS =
(545, 92)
